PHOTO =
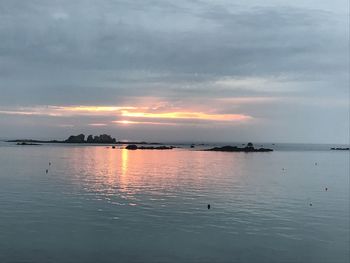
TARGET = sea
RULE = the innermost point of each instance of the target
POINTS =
(86, 203)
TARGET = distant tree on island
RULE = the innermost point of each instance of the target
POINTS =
(76, 139)
(90, 139)
(104, 138)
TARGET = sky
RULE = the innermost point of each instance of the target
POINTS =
(161, 70)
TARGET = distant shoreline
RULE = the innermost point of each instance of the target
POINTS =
(84, 143)
(103, 139)
(107, 140)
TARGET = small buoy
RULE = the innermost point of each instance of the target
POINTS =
(47, 170)
(310, 204)
(49, 163)
(326, 189)
(208, 206)
(315, 163)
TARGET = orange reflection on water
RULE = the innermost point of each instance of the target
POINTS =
(124, 161)
(125, 177)
(103, 171)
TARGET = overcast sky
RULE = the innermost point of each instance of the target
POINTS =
(161, 70)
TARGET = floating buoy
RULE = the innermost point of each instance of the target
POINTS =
(326, 189)
(47, 170)
(49, 163)
(208, 206)
(316, 163)
(310, 204)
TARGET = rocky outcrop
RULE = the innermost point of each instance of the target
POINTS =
(156, 148)
(340, 149)
(131, 147)
(135, 147)
(248, 148)
(27, 143)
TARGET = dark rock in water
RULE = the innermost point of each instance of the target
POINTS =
(76, 139)
(192, 146)
(131, 147)
(113, 147)
(156, 148)
(248, 148)
(135, 147)
(27, 143)
(340, 149)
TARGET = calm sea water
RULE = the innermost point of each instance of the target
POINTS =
(99, 204)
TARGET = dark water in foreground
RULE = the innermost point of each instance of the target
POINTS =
(112, 205)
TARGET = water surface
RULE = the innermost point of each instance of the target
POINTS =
(99, 204)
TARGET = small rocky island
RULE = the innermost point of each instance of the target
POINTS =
(340, 149)
(135, 147)
(248, 148)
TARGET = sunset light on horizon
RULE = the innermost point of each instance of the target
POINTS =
(134, 113)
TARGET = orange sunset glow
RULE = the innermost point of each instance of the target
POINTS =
(92, 108)
(127, 122)
(126, 115)
(187, 115)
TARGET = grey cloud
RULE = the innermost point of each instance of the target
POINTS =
(242, 44)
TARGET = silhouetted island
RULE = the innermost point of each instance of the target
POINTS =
(248, 148)
(80, 138)
(135, 147)
(103, 138)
